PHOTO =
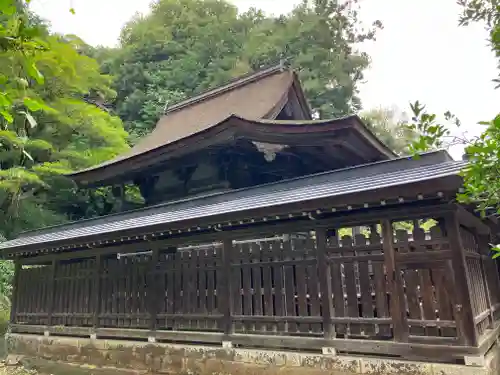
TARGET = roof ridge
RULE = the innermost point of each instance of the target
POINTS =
(227, 86)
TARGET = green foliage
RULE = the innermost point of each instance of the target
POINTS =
(185, 46)
(482, 174)
(48, 126)
(318, 37)
(487, 12)
(390, 127)
(430, 134)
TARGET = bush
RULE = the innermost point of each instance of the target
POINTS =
(4, 314)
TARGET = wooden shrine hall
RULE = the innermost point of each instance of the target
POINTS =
(264, 228)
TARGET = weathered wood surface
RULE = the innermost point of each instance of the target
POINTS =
(361, 284)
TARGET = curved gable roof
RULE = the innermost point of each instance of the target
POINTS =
(256, 96)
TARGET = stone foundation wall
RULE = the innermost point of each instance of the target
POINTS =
(154, 358)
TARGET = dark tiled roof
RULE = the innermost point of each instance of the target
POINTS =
(330, 184)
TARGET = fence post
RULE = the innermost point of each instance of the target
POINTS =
(15, 283)
(395, 284)
(225, 297)
(97, 291)
(467, 333)
(325, 283)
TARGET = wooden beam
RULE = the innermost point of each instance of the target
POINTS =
(345, 219)
(397, 307)
(439, 348)
(463, 309)
(468, 219)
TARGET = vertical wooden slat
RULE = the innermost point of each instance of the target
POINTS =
(463, 309)
(411, 282)
(15, 291)
(177, 302)
(193, 287)
(483, 243)
(444, 292)
(96, 293)
(278, 284)
(202, 287)
(133, 265)
(301, 287)
(395, 284)
(184, 285)
(105, 294)
(236, 284)
(59, 288)
(257, 283)
(120, 268)
(314, 295)
(212, 262)
(350, 283)
(267, 282)
(226, 286)
(246, 285)
(52, 292)
(337, 283)
(289, 285)
(325, 283)
(74, 276)
(222, 279)
(365, 288)
(153, 289)
(380, 284)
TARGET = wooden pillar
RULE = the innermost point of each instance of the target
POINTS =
(225, 297)
(15, 286)
(467, 333)
(153, 289)
(52, 292)
(395, 284)
(325, 282)
(97, 291)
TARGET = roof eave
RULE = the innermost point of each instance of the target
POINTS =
(449, 184)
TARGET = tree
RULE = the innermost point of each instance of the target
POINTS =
(185, 46)
(182, 47)
(318, 38)
(50, 124)
(482, 174)
(388, 124)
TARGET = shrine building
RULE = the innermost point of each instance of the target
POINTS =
(263, 229)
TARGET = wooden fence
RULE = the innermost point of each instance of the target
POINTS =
(382, 284)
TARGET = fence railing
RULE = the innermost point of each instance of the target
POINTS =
(383, 285)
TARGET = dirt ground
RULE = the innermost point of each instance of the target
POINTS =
(16, 370)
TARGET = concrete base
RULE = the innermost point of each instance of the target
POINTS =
(203, 360)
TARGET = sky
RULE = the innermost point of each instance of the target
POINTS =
(421, 54)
